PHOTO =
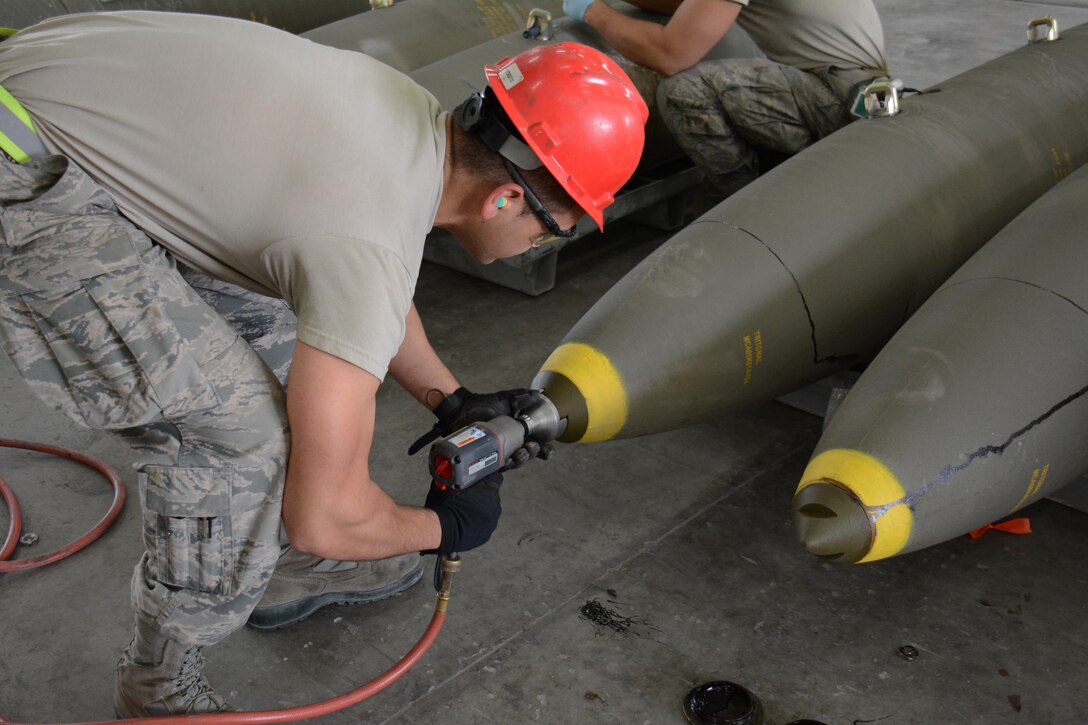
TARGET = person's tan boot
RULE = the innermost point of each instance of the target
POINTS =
(302, 584)
(158, 676)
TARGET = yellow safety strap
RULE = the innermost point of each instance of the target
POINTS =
(18, 137)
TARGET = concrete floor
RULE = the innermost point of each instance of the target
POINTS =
(684, 537)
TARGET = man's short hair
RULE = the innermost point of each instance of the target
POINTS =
(469, 152)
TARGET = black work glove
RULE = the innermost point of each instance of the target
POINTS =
(469, 516)
(462, 407)
(528, 452)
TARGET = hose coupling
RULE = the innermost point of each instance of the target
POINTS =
(451, 564)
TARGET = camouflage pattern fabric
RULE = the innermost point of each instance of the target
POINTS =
(266, 323)
(100, 324)
(719, 111)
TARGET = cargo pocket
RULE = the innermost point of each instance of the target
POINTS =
(122, 359)
(187, 527)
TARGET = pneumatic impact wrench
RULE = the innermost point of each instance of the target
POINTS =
(476, 451)
(480, 449)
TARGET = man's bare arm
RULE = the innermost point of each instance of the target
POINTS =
(331, 506)
(662, 7)
(417, 367)
(679, 44)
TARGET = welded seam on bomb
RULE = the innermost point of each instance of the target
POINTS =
(979, 454)
(816, 359)
(1019, 281)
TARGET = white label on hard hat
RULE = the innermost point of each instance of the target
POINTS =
(511, 76)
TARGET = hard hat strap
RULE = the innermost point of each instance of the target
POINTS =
(482, 115)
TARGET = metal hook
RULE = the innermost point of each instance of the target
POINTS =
(881, 98)
(1051, 25)
(540, 17)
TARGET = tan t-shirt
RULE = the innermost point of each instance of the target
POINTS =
(812, 34)
(258, 157)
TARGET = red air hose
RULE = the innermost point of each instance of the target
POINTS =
(324, 707)
(16, 522)
(304, 711)
(450, 566)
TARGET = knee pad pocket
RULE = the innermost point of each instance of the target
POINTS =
(187, 527)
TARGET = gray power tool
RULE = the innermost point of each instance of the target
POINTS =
(478, 450)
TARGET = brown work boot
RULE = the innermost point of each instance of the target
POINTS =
(158, 676)
(302, 584)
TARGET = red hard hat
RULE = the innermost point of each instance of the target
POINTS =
(579, 113)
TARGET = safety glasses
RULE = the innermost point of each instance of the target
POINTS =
(534, 204)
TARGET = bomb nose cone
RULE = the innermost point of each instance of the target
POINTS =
(587, 391)
(831, 523)
(851, 508)
(568, 400)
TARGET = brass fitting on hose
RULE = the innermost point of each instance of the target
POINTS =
(450, 565)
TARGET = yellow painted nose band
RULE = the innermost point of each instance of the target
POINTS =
(589, 370)
(878, 490)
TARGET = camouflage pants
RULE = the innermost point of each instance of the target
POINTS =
(101, 325)
(720, 111)
(266, 323)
